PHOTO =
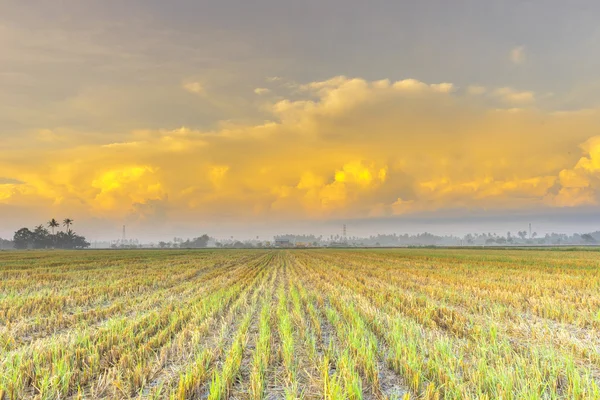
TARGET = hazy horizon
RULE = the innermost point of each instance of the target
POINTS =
(249, 119)
(569, 222)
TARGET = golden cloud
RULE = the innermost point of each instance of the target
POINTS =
(345, 148)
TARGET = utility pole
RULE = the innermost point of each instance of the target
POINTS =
(344, 232)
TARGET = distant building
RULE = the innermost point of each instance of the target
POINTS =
(283, 243)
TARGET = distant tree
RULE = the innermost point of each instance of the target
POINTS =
(162, 245)
(6, 244)
(200, 242)
(53, 224)
(23, 238)
(62, 240)
(68, 222)
(522, 234)
(41, 237)
(70, 240)
(78, 242)
(196, 243)
(587, 238)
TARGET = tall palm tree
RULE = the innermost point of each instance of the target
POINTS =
(68, 222)
(53, 224)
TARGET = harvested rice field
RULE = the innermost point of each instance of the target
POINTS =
(300, 324)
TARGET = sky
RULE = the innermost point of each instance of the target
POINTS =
(239, 118)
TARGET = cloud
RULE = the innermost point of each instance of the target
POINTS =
(443, 87)
(117, 186)
(260, 91)
(476, 90)
(194, 87)
(339, 148)
(517, 55)
(580, 185)
(512, 96)
(149, 213)
(10, 181)
(217, 175)
(48, 135)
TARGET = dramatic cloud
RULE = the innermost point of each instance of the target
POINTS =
(340, 148)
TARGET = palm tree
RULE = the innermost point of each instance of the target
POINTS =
(53, 224)
(68, 222)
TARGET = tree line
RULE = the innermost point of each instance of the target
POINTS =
(42, 238)
(199, 242)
